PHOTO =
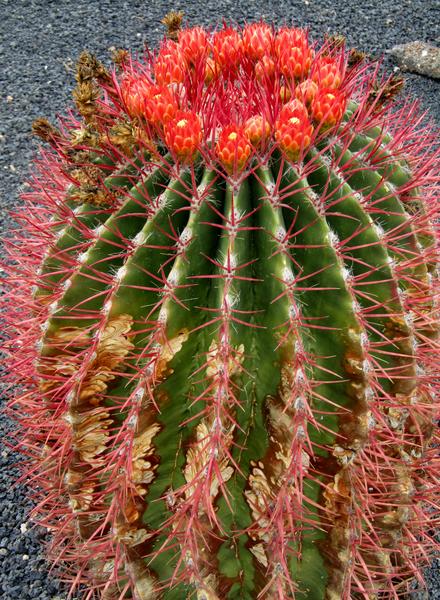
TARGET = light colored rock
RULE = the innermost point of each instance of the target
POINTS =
(418, 57)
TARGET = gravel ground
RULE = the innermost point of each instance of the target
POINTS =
(39, 43)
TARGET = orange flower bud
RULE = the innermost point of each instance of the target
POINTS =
(285, 93)
(169, 65)
(257, 130)
(183, 134)
(227, 48)
(211, 70)
(293, 129)
(326, 73)
(233, 148)
(160, 106)
(265, 68)
(135, 89)
(328, 107)
(257, 40)
(293, 53)
(306, 91)
(193, 44)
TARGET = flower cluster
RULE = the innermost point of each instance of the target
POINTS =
(256, 84)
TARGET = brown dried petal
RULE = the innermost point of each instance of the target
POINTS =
(90, 433)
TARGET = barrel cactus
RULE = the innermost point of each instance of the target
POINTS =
(222, 321)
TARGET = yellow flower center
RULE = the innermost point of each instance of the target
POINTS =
(232, 136)
(293, 120)
(182, 123)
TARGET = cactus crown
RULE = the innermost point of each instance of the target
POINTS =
(227, 355)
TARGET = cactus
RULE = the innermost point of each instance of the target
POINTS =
(223, 325)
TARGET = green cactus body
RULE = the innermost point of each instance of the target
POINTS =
(239, 348)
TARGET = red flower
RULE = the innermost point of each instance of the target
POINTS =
(169, 65)
(328, 107)
(193, 44)
(257, 40)
(135, 89)
(227, 48)
(233, 148)
(326, 73)
(293, 129)
(160, 105)
(293, 53)
(183, 134)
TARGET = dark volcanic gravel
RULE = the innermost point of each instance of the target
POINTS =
(39, 43)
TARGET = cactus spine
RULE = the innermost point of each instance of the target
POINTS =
(228, 353)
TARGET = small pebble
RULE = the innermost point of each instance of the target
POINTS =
(418, 57)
